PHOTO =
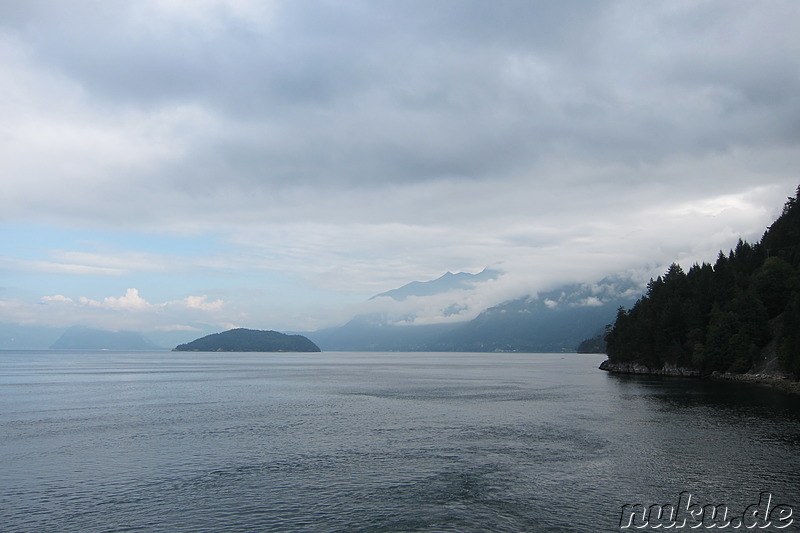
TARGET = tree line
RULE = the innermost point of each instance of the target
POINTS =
(737, 315)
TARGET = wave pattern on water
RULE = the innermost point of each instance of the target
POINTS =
(372, 442)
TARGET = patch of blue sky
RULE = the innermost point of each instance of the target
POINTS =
(38, 260)
(33, 241)
(46, 260)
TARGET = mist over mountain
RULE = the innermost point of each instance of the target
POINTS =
(555, 320)
(374, 333)
(447, 282)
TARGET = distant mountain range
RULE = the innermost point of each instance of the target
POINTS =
(448, 282)
(84, 338)
(553, 321)
(442, 314)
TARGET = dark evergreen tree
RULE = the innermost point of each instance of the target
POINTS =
(790, 345)
(774, 282)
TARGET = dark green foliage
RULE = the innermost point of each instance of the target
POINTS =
(596, 344)
(249, 340)
(774, 282)
(783, 238)
(722, 317)
(790, 346)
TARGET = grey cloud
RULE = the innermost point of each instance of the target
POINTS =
(507, 127)
(371, 93)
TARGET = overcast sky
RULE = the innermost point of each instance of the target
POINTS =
(168, 164)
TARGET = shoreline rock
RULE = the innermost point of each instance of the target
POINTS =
(774, 380)
(638, 368)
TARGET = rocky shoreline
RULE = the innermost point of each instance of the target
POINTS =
(638, 368)
(775, 380)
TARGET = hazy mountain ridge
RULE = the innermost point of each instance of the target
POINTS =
(556, 320)
(373, 333)
(446, 283)
(27, 337)
(86, 338)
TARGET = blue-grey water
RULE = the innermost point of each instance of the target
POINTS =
(161, 441)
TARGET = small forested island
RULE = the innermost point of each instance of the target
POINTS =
(739, 317)
(249, 340)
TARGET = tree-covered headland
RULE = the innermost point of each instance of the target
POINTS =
(741, 314)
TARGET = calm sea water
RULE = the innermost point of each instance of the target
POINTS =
(161, 441)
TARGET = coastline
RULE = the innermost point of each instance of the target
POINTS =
(773, 380)
(640, 369)
(776, 381)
